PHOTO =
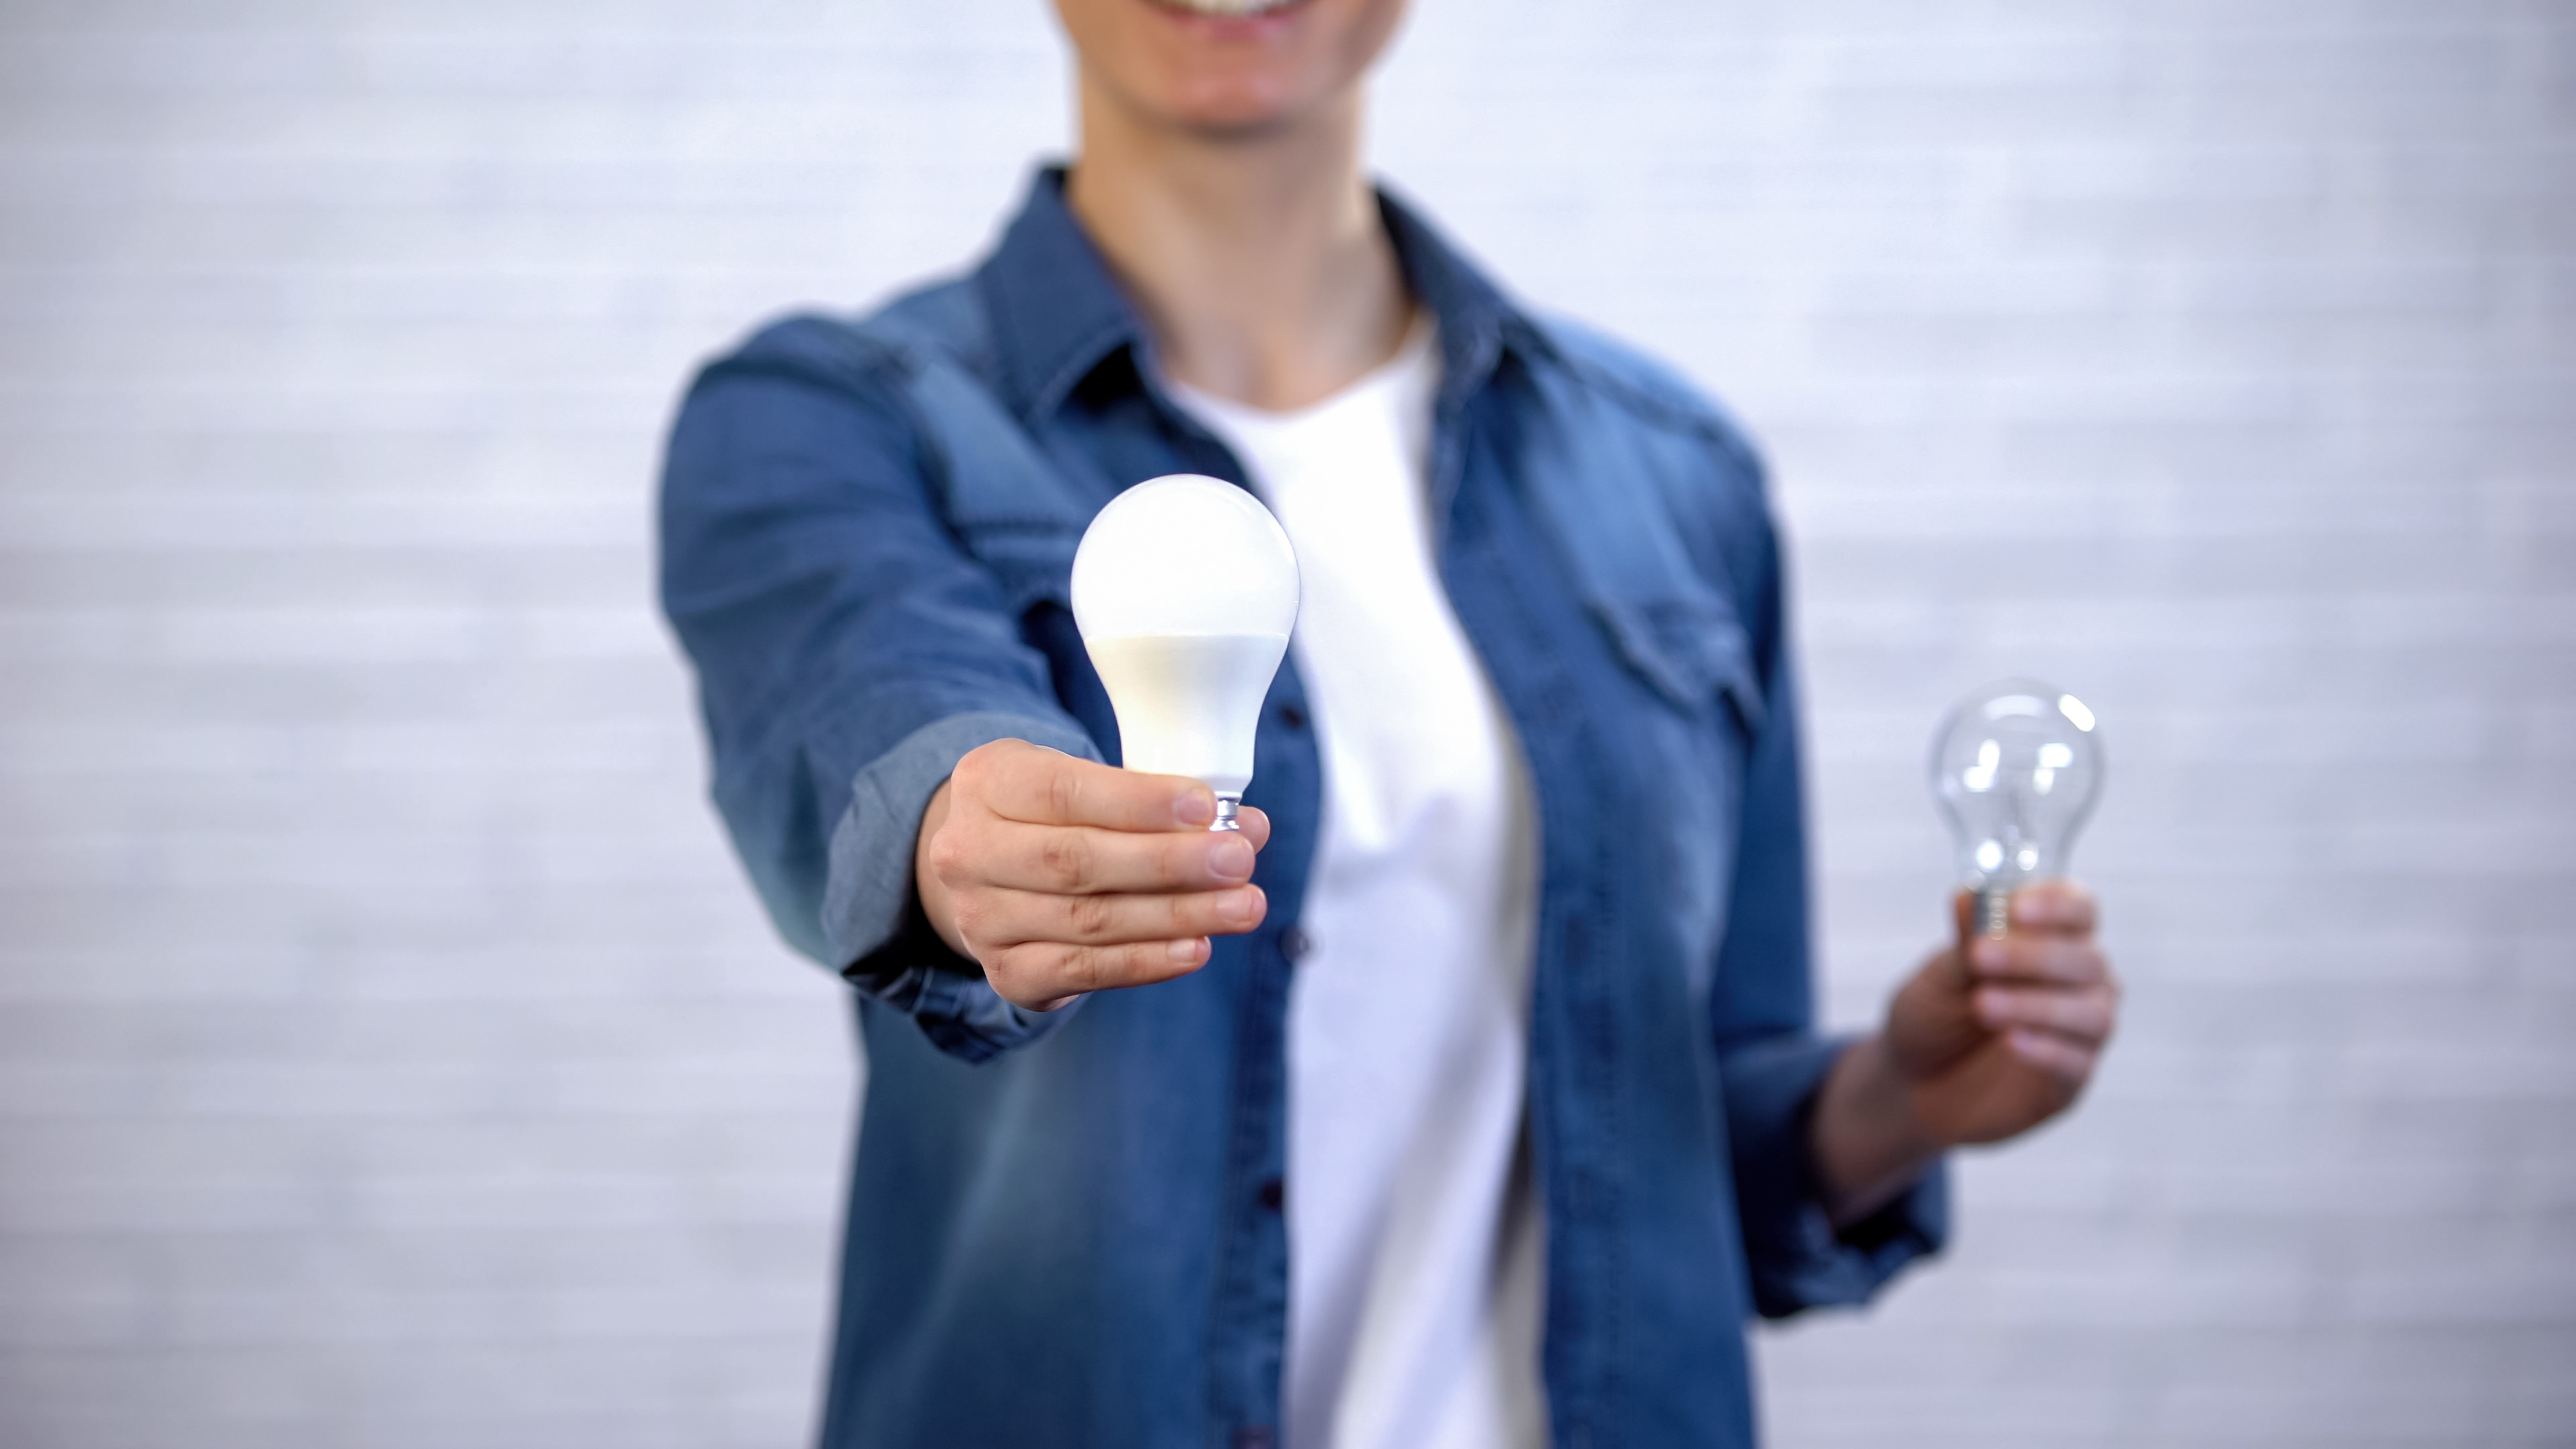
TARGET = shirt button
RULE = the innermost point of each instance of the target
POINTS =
(1294, 943)
(1291, 716)
(1274, 1193)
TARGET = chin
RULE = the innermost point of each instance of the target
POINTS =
(1248, 110)
(1239, 67)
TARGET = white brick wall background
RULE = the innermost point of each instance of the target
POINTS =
(390, 1054)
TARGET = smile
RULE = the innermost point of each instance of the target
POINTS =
(1230, 9)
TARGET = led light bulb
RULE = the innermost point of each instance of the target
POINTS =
(2016, 767)
(1185, 589)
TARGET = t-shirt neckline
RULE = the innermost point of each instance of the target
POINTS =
(1411, 357)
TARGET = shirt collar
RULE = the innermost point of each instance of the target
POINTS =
(1057, 315)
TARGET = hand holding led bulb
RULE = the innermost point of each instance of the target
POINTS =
(1061, 875)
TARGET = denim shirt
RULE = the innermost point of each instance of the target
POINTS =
(1066, 1229)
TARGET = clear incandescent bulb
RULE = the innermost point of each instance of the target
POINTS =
(1185, 589)
(2016, 767)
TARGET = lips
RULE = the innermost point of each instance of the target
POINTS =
(1230, 9)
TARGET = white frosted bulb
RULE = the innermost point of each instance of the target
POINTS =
(2016, 767)
(1185, 589)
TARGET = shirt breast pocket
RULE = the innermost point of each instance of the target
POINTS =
(1690, 649)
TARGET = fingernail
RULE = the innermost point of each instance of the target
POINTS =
(1231, 858)
(1988, 953)
(1989, 1006)
(1240, 905)
(1184, 952)
(1194, 807)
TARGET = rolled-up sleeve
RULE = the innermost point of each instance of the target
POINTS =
(1798, 1259)
(1762, 1009)
(849, 651)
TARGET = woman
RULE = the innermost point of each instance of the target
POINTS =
(1469, 1096)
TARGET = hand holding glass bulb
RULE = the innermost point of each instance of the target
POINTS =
(2000, 1031)
(1060, 875)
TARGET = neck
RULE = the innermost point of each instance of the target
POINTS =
(1257, 259)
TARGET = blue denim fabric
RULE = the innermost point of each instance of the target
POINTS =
(1065, 1229)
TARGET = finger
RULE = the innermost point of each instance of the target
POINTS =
(2068, 1062)
(1081, 860)
(2073, 960)
(1045, 973)
(2085, 1015)
(1016, 918)
(1949, 968)
(1020, 781)
(2055, 905)
(1255, 825)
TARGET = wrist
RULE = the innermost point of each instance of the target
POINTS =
(1889, 1101)
(1869, 1139)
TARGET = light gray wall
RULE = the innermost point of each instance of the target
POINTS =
(390, 1054)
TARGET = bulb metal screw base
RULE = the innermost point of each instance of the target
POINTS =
(1994, 910)
(1226, 806)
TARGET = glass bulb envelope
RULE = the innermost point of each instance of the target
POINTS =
(2016, 767)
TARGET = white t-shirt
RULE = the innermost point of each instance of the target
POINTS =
(1415, 1261)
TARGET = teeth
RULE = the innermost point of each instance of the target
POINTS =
(1231, 7)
